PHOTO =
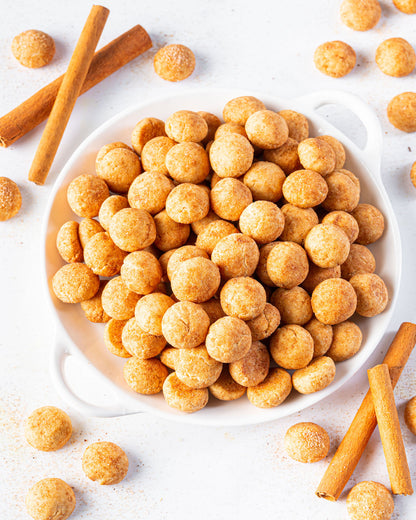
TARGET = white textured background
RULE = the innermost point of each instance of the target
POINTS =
(176, 471)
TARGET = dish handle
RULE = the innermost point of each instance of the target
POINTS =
(373, 147)
(60, 353)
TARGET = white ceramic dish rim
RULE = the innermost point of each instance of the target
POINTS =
(369, 157)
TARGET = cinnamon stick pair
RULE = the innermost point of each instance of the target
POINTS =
(353, 444)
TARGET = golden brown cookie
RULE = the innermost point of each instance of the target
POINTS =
(243, 297)
(360, 15)
(333, 301)
(306, 442)
(335, 59)
(343, 193)
(33, 48)
(229, 197)
(196, 280)
(294, 305)
(317, 155)
(322, 336)
(169, 234)
(272, 391)
(10, 199)
(231, 155)
(146, 129)
(265, 180)
(263, 221)
(286, 156)
(103, 256)
(187, 203)
(345, 221)
(74, 283)
(85, 195)
(225, 388)
(118, 168)
(213, 233)
(141, 272)
(267, 129)
(228, 339)
(360, 260)
(316, 376)
(50, 498)
(316, 275)
(263, 325)
(372, 294)
(132, 229)
(370, 496)
(396, 57)
(327, 245)
(117, 299)
(182, 397)
(185, 125)
(347, 338)
(150, 310)
(112, 338)
(253, 368)
(235, 255)
(239, 109)
(93, 308)
(174, 62)
(68, 243)
(305, 188)
(291, 346)
(185, 325)
(287, 264)
(88, 227)
(410, 415)
(370, 223)
(406, 6)
(145, 376)
(48, 428)
(188, 162)
(401, 111)
(110, 207)
(139, 343)
(196, 368)
(297, 123)
(105, 463)
(298, 223)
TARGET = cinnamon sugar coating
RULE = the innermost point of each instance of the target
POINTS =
(132, 229)
(239, 109)
(333, 301)
(316, 376)
(369, 498)
(343, 193)
(263, 325)
(228, 339)
(50, 498)
(253, 368)
(297, 124)
(118, 168)
(335, 59)
(214, 233)
(360, 260)
(327, 245)
(185, 125)
(322, 336)
(267, 129)
(105, 463)
(360, 15)
(154, 153)
(88, 227)
(113, 338)
(243, 298)
(317, 155)
(263, 221)
(33, 48)
(410, 415)
(48, 428)
(287, 264)
(317, 274)
(265, 181)
(346, 342)
(103, 256)
(109, 208)
(231, 155)
(182, 397)
(372, 294)
(294, 305)
(150, 310)
(145, 130)
(117, 299)
(285, 156)
(345, 221)
(145, 376)
(74, 283)
(180, 255)
(68, 243)
(225, 388)
(272, 391)
(291, 346)
(139, 343)
(85, 195)
(174, 62)
(235, 255)
(187, 203)
(401, 112)
(196, 280)
(141, 272)
(298, 223)
(305, 188)
(10, 199)
(306, 442)
(93, 308)
(188, 162)
(185, 325)
(196, 368)
(370, 223)
(229, 198)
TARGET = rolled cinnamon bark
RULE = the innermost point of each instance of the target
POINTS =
(353, 444)
(389, 428)
(29, 114)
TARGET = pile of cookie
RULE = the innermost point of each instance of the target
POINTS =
(231, 255)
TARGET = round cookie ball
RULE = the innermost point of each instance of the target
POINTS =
(110, 207)
(10, 199)
(322, 336)
(291, 346)
(168, 357)
(188, 162)
(410, 415)
(347, 338)
(413, 174)
(286, 156)
(88, 227)
(253, 368)
(118, 168)
(154, 153)
(287, 264)
(149, 191)
(236, 255)
(306, 442)
(145, 376)
(214, 310)
(196, 368)
(48, 428)
(298, 223)
(132, 229)
(196, 280)
(261, 270)
(343, 194)
(297, 124)
(33, 49)
(229, 198)
(265, 181)
(327, 245)
(272, 391)
(372, 294)
(317, 155)
(186, 125)
(360, 15)
(139, 343)
(294, 305)
(316, 275)
(335, 59)
(185, 325)
(50, 498)
(225, 388)
(213, 233)
(230, 128)
(74, 283)
(406, 6)
(263, 325)
(105, 463)
(333, 301)
(339, 150)
(345, 221)
(213, 123)
(169, 234)
(182, 397)
(266, 129)
(68, 243)
(113, 338)
(239, 109)
(228, 339)
(117, 299)
(370, 223)
(369, 496)
(93, 308)
(360, 260)
(187, 203)
(395, 57)
(243, 298)
(231, 155)
(107, 148)
(305, 189)
(174, 62)
(200, 225)
(182, 254)
(145, 130)
(85, 195)
(141, 272)
(262, 221)
(150, 310)
(401, 111)
(103, 256)
(315, 377)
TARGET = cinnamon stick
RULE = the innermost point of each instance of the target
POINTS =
(353, 444)
(29, 114)
(389, 428)
(68, 93)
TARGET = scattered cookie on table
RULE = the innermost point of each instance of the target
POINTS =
(10, 199)
(105, 463)
(335, 59)
(396, 57)
(48, 428)
(33, 48)
(401, 112)
(50, 498)
(406, 6)
(174, 62)
(369, 496)
(360, 15)
(306, 442)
